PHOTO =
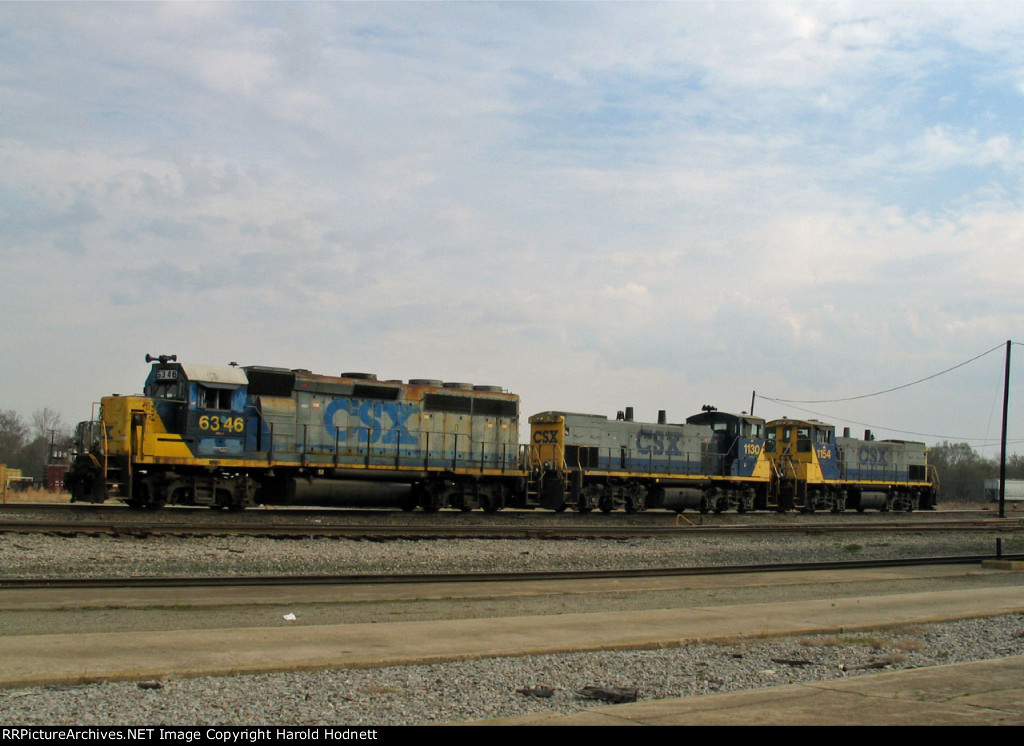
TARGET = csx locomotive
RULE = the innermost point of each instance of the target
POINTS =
(812, 469)
(712, 462)
(232, 437)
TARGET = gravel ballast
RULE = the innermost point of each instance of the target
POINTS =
(479, 689)
(35, 555)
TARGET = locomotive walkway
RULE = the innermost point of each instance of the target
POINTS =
(988, 692)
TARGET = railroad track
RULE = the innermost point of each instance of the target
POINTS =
(385, 531)
(427, 578)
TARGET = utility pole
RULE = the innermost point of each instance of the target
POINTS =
(1002, 447)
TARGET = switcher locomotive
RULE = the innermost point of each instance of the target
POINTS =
(233, 437)
(814, 470)
(711, 462)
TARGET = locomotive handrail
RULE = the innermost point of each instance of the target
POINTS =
(106, 450)
(692, 462)
(465, 451)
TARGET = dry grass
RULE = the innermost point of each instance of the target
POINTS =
(840, 640)
(35, 496)
(909, 645)
(904, 644)
(912, 629)
(978, 505)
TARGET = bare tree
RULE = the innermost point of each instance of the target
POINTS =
(13, 436)
(45, 421)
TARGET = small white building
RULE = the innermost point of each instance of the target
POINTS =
(1014, 490)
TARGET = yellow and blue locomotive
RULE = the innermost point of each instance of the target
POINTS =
(230, 437)
(812, 469)
(712, 462)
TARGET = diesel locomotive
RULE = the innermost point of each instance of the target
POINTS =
(710, 462)
(233, 437)
(813, 469)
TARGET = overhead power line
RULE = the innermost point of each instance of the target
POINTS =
(885, 391)
(973, 442)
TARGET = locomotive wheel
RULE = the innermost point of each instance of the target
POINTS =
(424, 496)
(582, 508)
(491, 504)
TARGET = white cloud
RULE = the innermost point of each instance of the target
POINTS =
(631, 195)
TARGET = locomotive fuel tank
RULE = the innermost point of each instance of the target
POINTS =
(348, 493)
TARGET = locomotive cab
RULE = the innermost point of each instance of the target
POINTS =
(802, 454)
(204, 404)
(737, 441)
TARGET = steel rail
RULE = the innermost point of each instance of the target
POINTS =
(518, 577)
(506, 531)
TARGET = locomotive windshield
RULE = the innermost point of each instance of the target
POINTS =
(751, 430)
(173, 390)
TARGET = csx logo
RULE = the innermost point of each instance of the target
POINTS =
(372, 421)
(545, 437)
(655, 443)
(873, 455)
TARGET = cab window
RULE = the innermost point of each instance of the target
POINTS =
(172, 390)
(211, 398)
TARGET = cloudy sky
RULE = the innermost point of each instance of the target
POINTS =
(594, 205)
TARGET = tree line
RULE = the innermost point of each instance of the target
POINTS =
(31, 444)
(962, 471)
